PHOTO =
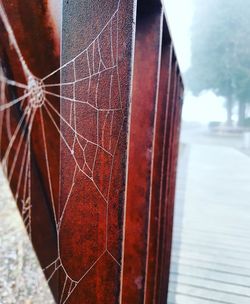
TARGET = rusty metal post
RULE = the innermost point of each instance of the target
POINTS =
(141, 150)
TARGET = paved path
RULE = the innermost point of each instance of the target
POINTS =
(211, 248)
(21, 278)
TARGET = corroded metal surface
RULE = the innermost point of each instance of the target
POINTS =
(93, 181)
(141, 138)
(89, 143)
(154, 246)
(29, 49)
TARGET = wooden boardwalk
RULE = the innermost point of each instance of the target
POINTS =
(211, 247)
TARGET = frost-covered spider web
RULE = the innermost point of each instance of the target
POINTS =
(90, 126)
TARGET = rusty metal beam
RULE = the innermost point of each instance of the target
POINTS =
(140, 151)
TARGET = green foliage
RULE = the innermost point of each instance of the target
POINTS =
(221, 49)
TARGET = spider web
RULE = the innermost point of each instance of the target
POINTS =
(89, 74)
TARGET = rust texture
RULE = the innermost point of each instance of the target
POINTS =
(32, 27)
(152, 159)
(141, 137)
(89, 140)
(97, 47)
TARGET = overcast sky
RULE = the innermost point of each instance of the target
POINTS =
(207, 107)
(179, 13)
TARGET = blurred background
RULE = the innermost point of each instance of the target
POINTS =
(211, 243)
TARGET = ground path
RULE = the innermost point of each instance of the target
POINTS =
(211, 249)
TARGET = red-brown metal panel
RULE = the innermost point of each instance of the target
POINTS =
(96, 59)
(142, 128)
(29, 50)
(158, 164)
(169, 179)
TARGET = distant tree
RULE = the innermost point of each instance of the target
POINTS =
(220, 60)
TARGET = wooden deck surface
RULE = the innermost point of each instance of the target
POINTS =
(211, 247)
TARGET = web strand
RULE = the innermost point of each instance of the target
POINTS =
(106, 114)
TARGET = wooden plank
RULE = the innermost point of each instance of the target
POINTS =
(210, 255)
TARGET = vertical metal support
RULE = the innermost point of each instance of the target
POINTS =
(25, 152)
(97, 52)
(141, 149)
(158, 165)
